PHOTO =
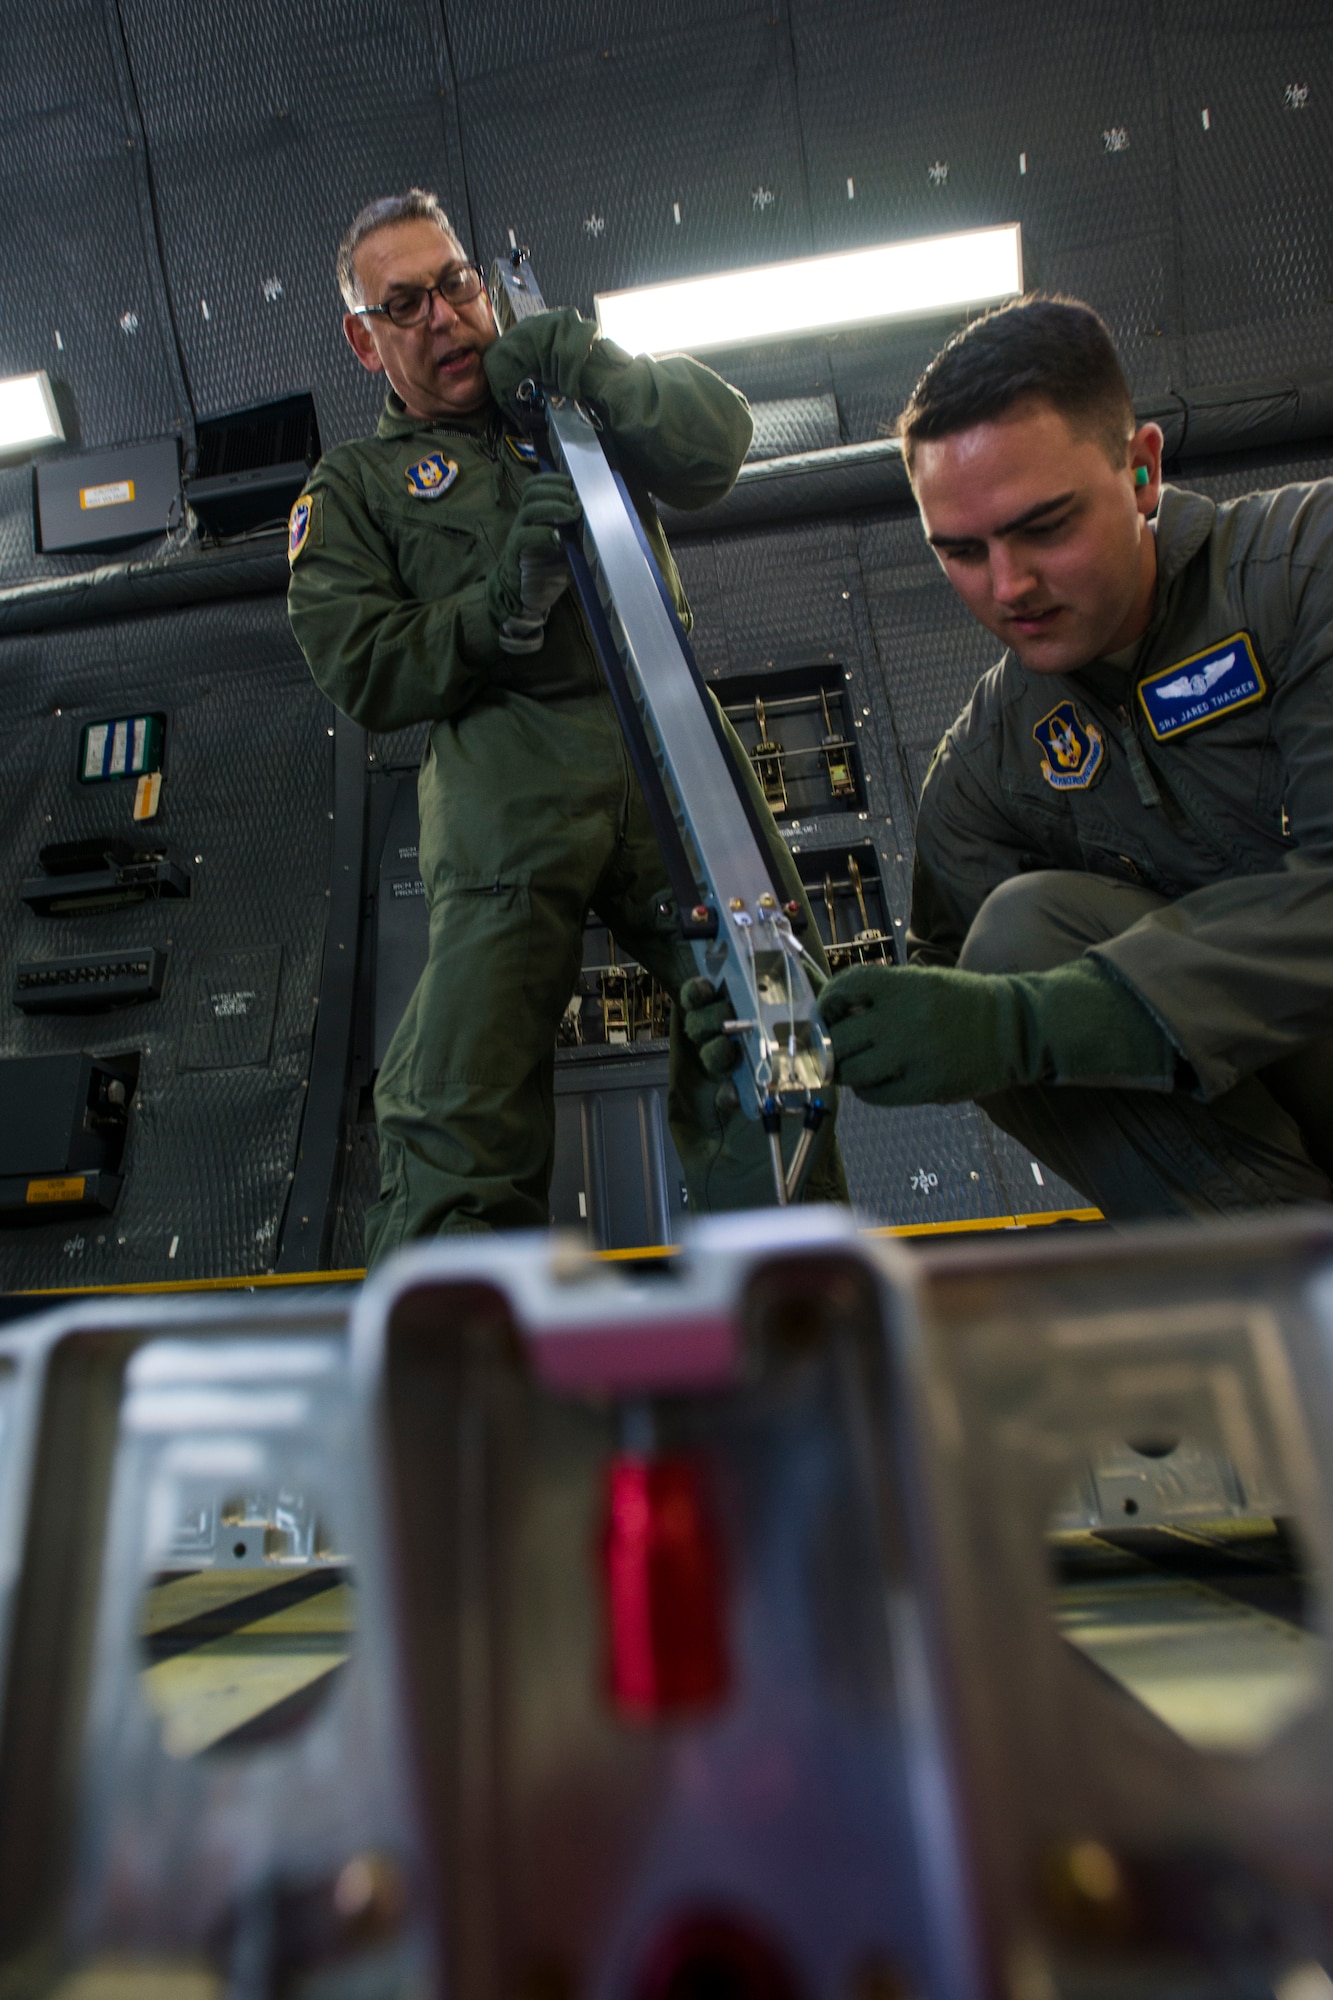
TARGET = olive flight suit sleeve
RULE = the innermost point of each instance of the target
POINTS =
(382, 656)
(964, 848)
(1240, 972)
(680, 431)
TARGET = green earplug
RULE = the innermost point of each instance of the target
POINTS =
(1140, 475)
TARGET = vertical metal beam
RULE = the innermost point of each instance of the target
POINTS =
(307, 1225)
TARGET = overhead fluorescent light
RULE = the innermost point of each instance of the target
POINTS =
(28, 414)
(815, 294)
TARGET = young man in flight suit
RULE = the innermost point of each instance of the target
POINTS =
(1121, 939)
(428, 585)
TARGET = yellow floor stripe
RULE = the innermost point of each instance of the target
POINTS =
(205, 1590)
(205, 1694)
(1218, 1673)
(967, 1226)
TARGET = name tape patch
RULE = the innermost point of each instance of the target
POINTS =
(1072, 748)
(433, 476)
(1208, 684)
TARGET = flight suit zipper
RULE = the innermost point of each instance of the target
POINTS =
(1144, 782)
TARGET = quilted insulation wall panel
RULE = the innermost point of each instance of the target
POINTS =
(186, 172)
(245, 807)
(267, 128)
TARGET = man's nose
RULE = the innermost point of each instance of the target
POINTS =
(442, 314)
(1011, 575)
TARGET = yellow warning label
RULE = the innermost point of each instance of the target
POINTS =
(146, 795)
(115, 493)
(70, 1188)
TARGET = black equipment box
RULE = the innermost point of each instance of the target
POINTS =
(89, 984)
(105, 874)
(104, 499)
(62, 1133)
(253, 465)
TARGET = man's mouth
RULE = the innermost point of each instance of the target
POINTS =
(1030, 623)
(456, 360)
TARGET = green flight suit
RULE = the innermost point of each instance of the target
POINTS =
(530, 814)
(1170, 812)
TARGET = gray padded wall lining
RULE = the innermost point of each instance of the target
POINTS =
(75, 247)
(1255, 225)
(258, 131)
(697, 113)
(969, 86)
(246, 789)
(268, 128)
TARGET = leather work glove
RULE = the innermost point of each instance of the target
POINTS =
(932, 1035)
(549, 348)
(532, 571)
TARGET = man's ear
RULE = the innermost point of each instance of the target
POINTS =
(362, 342)
(1145, 456)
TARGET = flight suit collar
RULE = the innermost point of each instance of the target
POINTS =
(1184, 523)
(396, 423)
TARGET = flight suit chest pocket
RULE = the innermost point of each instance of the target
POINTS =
(438, 550)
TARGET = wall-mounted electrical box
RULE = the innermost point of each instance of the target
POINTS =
(253, 464)
(105, 499)
(62, 1133)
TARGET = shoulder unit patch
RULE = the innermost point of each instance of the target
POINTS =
(299, 523)
(1208, 684)
(1072, 748)
(433, 476)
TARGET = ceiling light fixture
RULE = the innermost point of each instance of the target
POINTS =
(815, 294)
(28, 414)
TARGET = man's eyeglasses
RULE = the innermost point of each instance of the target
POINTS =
(410, 305)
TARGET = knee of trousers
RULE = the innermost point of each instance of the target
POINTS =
(1034, 922)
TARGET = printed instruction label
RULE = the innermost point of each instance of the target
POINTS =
(116, 493)
(68, 1188)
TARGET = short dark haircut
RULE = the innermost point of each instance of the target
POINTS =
(1037, 349)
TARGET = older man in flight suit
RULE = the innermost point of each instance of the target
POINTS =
(1125, 843)
(427, 585)
(1121, 938)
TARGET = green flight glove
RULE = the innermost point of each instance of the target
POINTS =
(550, 349)
(918, 1034)
(706, 1008)
(532, 572)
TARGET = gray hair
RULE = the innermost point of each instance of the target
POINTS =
(417, 205)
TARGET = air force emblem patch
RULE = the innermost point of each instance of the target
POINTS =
(298, 525)
(434, 475)
(1072, 749)
(524, 450)
(1192, 692)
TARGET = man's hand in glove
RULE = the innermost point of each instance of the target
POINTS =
(548, 348)
(532, 572)
(705, 1009)
(931, 1035)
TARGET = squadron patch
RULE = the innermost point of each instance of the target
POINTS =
(524, 450)
(1192, 692)
(298, 525)
(1073, 749)
(433, 476)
